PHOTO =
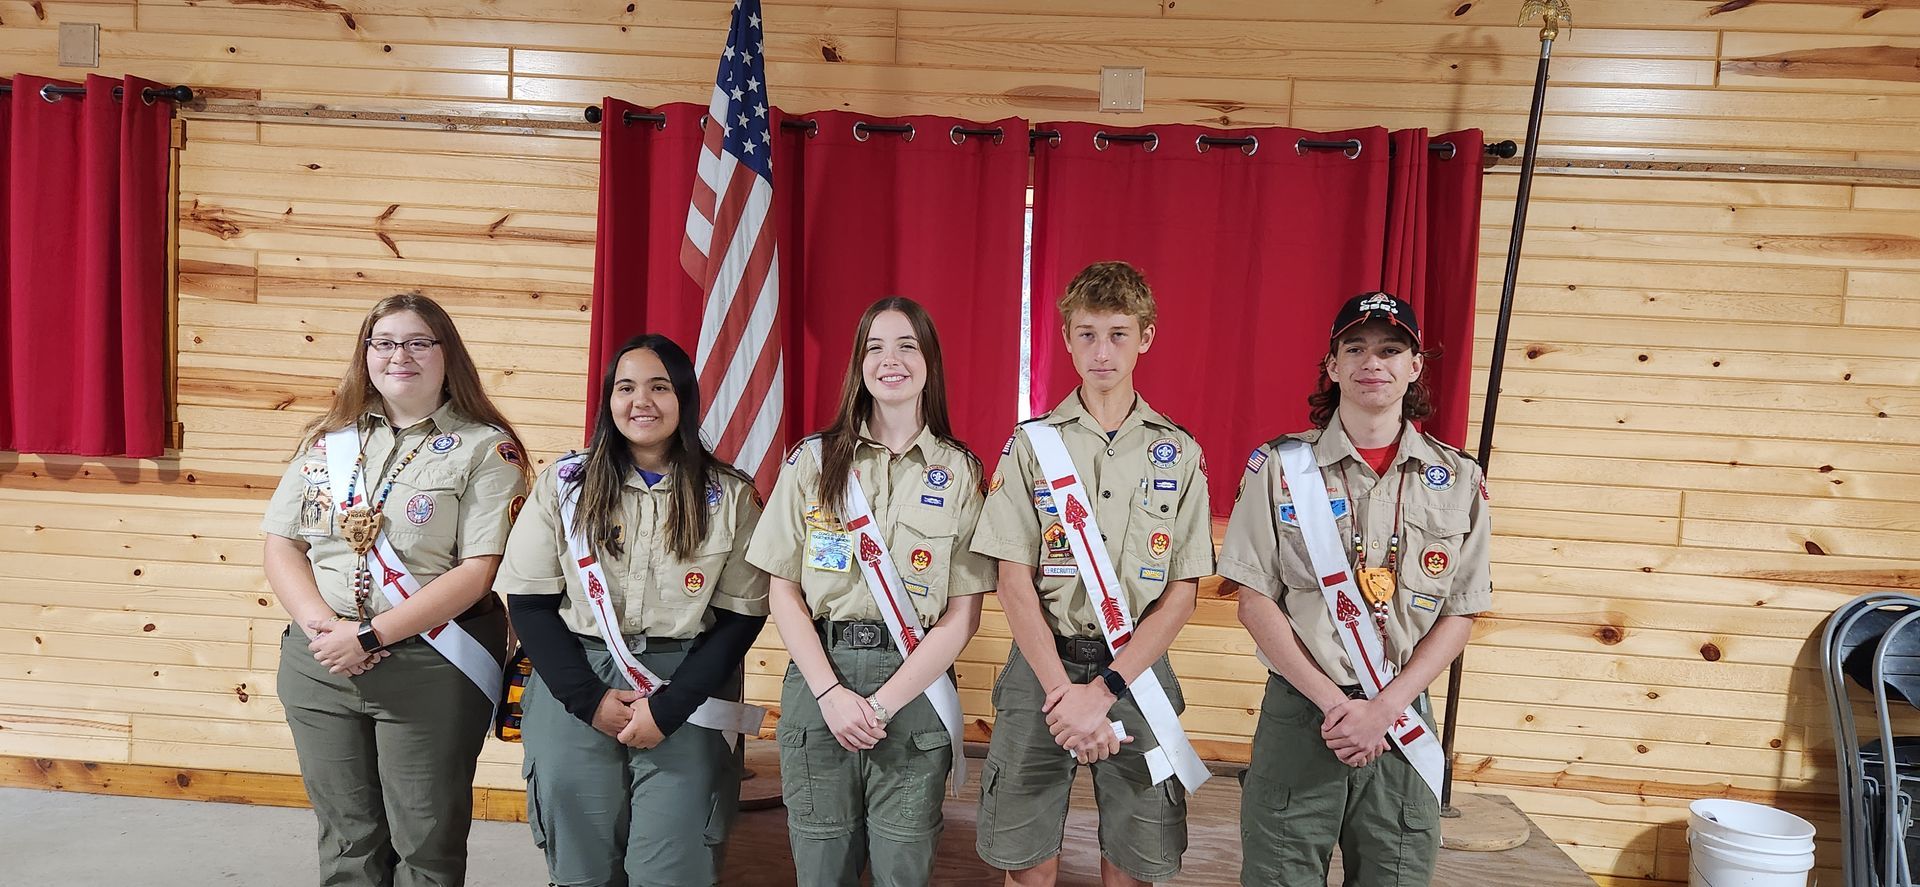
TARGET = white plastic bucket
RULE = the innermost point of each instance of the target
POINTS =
(1737, 844)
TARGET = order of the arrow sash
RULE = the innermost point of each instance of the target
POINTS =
(397, 582)
(877, 567)
(1176, 756)
(729, 717)
(1357, 633)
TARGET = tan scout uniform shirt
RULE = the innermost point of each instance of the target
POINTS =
(926, 500)
(1443, 539)
(452, 502)
(655, 593)
(1149, 496)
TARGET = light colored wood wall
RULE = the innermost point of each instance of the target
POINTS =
(1708, 429)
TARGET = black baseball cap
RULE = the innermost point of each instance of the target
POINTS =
(1376, 306)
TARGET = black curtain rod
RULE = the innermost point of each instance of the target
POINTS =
(1247, 144)
(151, 94)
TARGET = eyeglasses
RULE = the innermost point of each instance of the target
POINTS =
(415, 347)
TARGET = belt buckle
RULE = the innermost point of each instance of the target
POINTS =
(1086, 650)
(861, 636)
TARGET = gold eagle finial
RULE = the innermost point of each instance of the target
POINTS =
(1554, 13)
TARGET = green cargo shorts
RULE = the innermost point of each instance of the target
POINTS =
(1025, 784)
(1298, 802)
(878, 808)
(607, 814)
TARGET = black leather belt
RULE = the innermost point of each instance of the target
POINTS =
(856, 635)
(1083, 651)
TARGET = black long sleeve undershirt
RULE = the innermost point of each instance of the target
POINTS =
(562, 662)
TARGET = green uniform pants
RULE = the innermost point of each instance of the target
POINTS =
(1025, 784)
(388, 760)
(612, 816)
(849, 810)
(1298, 802)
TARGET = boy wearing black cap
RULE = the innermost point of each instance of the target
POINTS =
(1362, 544)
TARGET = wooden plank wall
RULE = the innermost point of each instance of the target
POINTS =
(1709, 424)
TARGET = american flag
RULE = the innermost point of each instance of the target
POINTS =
(729, 251)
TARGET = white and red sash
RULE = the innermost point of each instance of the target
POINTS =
(1175, 755)
(729, 717)
(1357, 633)
(397, 582)
(896, 608)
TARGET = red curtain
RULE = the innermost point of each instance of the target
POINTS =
(1431, 260)
(86, 280)
(928, 217)
(1249, 256)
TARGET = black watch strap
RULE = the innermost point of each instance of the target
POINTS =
(369, 639)
(1116, 684)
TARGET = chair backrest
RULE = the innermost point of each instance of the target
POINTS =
(1863, 638)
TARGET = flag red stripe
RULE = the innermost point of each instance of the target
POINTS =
(733, 327)
(727, 217)
(740, 424)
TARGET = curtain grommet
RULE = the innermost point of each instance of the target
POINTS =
(956, 135)
(1300, 146)
(860, 131)
(1451, 151)
(48, 95)
(1200, 145)
(146, 95)
(1153, 142)
(1250, 148)
(1353, 151)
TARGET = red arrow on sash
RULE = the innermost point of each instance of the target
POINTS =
(1075, 515)
(1349, 615)
(870, 553)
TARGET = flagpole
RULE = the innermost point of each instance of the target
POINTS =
(1554, 13)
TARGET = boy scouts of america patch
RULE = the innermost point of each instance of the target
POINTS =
(1257, 461)
(1159, 542)
(1164, 452)
(695, 581)
(1434, 560)
(509, 453)
(445, 443)
(938, 477)
(921, 560)
(420, 509)
(1437, 477)
(513, 508)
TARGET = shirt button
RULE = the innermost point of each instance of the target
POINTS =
(1375, 546)
(1106, 494)
(1163, 509)
(1109, 452)
(1092, 627)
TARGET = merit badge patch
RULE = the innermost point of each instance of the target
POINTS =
(1426, 603)
(1292, 518)
(513, 508)
(1060, 571)
(420, 509)
(1153, 574)
(1258, 460)
(921, 559)
(938, 477)
(916, 589)
(1057, 546)
(444, 443)
(1164, 452)
(509, 453)
(1434, 560)
(828, 550)
(1159, 542)
(695, 581)
(1166, 483)
(1437, 477)
(935, 501)
(314, 473)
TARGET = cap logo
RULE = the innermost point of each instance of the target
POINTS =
(1380, 302)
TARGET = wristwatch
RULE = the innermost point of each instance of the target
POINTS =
(880, 712)
(369, 640)
(1116, 684)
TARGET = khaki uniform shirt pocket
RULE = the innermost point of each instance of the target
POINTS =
(923, 550)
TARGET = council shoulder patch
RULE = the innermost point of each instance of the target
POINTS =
(509, 453)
